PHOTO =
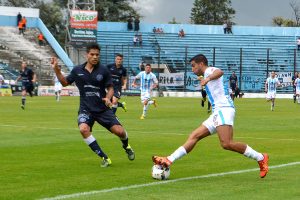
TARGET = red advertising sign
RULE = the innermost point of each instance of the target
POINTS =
(83, 19)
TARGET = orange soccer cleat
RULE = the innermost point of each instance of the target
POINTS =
(164, 161)
(263, 165)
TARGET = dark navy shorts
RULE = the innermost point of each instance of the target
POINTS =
(28, 87)
(106, 119)
(117, 93)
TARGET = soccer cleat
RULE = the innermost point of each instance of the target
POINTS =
(202, 103)
(263, 165)
(143, 117)
(155, 103)
(105, 162)
(124, 106)
(164, 161)
(130, 152)
(23, 107)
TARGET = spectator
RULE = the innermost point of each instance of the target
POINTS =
(181, 33)
(41, 39)
(24, 22)
(154, 29)
(298, 43)
(135, 40)
(161, 30)
(140, 39)
(19, 18)
(229, 27)
(129, 24)
(21, 27)
(1, 80)
(136, 24)
(225, 27)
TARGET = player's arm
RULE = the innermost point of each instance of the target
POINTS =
(217, 73)
(109, 95)
(134, 81)
(155, 83)
(58, 73)
(124, 81)
(34, 77)
(266, 86)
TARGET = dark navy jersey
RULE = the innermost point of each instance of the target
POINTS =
(117, 74)
(26, 75)
(91, 86)
(233, 80)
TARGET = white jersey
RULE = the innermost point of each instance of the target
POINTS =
(272, 84)
(147, 81)
(57, 84)
(217, 91)
(297, 84)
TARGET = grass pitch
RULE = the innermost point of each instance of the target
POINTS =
(44, 156)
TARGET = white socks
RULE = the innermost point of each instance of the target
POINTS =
(145, 109)
(89, 139)
(250, 153)
(180, 152)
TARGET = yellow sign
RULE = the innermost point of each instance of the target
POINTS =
(5, 92)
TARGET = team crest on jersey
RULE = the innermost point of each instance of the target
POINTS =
(99, 77)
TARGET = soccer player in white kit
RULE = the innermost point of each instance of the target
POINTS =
(270, 88)
(297, 85)
(148, 83)
(57, 86)
(220, 121)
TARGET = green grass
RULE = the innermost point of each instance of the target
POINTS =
(43, 154)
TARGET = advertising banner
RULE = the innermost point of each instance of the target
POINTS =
(173, 79)
(83, 27)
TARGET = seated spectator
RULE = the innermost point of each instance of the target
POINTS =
(181, 33)
(161, 30)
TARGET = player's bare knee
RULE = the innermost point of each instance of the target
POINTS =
(118, 130)
(226, 145)
(85, 131)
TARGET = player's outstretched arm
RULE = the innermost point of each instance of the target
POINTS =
(60, 76)
(215, 75)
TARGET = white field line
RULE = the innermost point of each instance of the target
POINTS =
(137, 131)
(68, 196)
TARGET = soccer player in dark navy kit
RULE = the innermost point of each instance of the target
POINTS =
(233, 84)
(96, 90)
(119, 76)
(28, 79)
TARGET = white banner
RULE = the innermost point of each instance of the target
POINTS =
(65, 91)
(285, 78)
(173, 79)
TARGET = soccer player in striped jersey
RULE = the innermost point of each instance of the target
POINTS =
(297, 85)
(220, 121)
(270, 88)
(57, 86)
(148, 82)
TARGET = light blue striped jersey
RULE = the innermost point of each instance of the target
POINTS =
(217, 91)
(147, 81)
(272, 84)
(297, 83)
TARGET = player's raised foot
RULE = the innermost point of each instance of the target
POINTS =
(143, 117)
(164, 161)
(202, 103)
(23, 107)
(155, 103)
(105, 162)
(124, 106)
(263, 165)
(130, 152)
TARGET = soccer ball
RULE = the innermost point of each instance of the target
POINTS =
(160, 173)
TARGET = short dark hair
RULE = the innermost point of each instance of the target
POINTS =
(119, 55)
(92, 45)
(199, 58)
(148, 65)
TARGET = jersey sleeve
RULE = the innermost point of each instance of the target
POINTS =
(107, 78)
(139, 75)
(71, 77)
(155, 79)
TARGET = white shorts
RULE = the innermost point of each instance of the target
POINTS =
(298, 91)
(57, 87)
(223, 116)
(271, 95)
(145, 96)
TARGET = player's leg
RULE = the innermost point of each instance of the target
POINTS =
(23, 101)
(58, 95)
(272, 103)
(204, 94)
(208, 107)
(85, 124)
(198, 134)
(145, 108)
(114, 104)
